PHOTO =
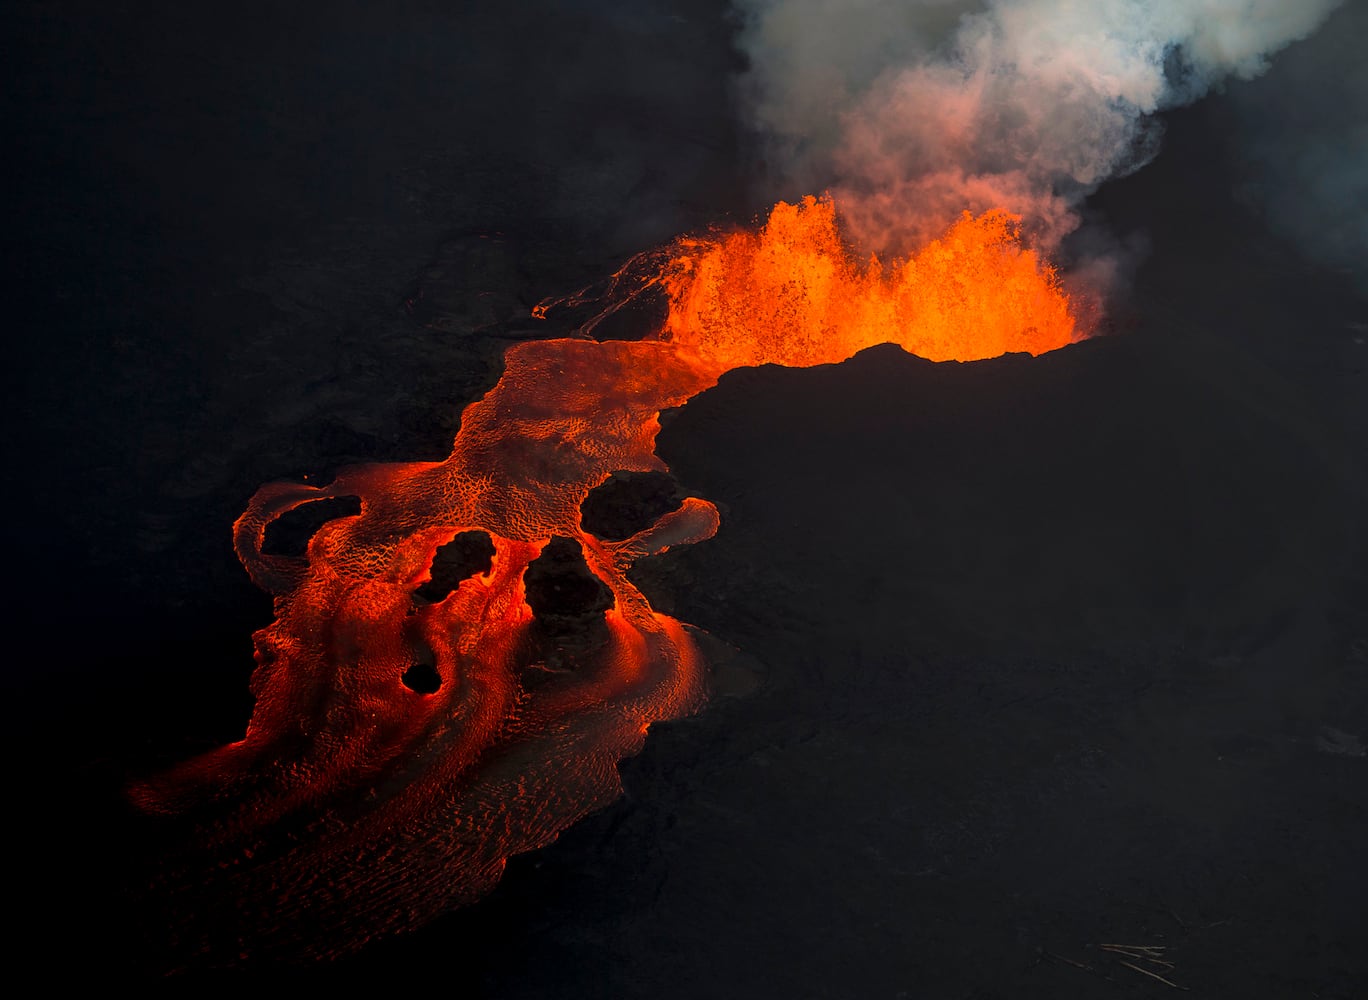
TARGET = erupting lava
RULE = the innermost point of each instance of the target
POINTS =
(356, 805)
(792, 295)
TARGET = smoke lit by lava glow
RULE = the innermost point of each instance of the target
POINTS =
(355, 805)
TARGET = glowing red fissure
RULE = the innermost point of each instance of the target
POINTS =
(402, 804)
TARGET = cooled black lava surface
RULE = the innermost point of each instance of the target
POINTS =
(629, 502)
(468, 554)
(1051, 652)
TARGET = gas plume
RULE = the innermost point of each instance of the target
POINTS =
(913, 112)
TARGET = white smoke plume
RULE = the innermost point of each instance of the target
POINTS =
(911, 111)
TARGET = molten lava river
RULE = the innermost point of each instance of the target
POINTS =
(358, 804)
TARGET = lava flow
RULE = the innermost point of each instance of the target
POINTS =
(356, 805)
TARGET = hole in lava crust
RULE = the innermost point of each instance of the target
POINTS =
(288, 535)
(422, 678)
(628, 502)
(470, 553)
(560, 585)
(567, 602)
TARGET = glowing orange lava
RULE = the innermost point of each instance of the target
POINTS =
(792, 294)
(355, 805)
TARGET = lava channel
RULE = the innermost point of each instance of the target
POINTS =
(359, 803)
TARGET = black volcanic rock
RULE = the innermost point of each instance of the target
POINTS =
(469, 553)
(1056, 651)
(629, 502)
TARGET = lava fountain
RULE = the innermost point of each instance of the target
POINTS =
(357, 806)
(792, 295)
